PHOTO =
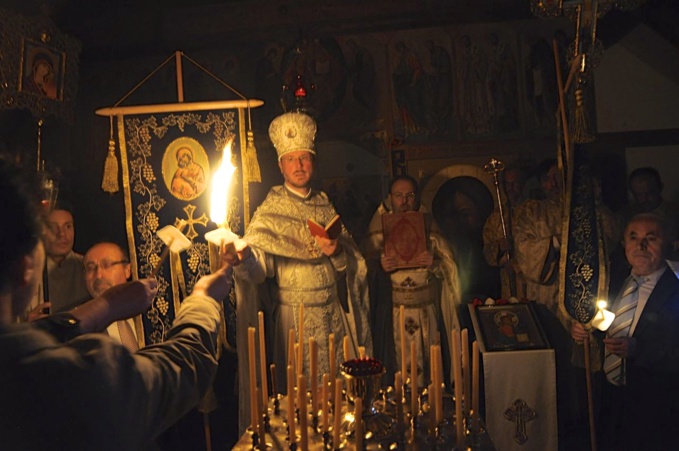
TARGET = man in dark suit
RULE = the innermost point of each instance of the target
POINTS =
(640, 401)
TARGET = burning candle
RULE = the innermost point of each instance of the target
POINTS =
(347, 353)
(291, 405)
(262, 362)
(603, 318)
(219, 202)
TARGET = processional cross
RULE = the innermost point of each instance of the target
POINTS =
(585, 52)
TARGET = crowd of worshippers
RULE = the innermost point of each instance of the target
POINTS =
(348, 289)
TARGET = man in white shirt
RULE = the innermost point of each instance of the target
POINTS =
(107, 265)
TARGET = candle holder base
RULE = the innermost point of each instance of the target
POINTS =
(378, 426)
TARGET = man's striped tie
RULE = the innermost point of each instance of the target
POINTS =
(613, 364)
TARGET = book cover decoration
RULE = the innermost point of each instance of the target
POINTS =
(331, 231)
(404, 237)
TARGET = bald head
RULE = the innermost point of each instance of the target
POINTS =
(647, 243)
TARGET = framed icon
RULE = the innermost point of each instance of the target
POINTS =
(42, 70)
(38, 66)
(508, 327)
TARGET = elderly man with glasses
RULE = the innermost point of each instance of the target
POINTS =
(428, 292)
(107, 265)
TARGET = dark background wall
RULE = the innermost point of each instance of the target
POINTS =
(351, 56)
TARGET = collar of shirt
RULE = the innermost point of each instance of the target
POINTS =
(52, 264)
(295, 193)
(651, 278)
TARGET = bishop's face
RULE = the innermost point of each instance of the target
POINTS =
(297, 168)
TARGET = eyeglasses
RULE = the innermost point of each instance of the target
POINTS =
(290, 159)
(406, 196)
(105, 265)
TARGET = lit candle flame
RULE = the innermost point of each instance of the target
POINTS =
(221, 187)
(603, 318)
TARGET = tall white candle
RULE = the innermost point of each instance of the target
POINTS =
(475, 378)
(262, 362)
(466, 369)
(398, 388)
(254, 402)
(313, 366)
(338, 414)
(358, 428)
(347, 351)
(457, 372)
(324, 400)
(300, 350)
(333, 362)
(291, 405)
(402, 331)
(302, 403)
(414, 404)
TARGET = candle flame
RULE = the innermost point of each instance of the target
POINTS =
(221, 187)
(602, 304)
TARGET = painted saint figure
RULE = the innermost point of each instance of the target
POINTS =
(188, 181)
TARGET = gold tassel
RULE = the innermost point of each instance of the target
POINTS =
(581, 131)
(250, 164)
(109, 182)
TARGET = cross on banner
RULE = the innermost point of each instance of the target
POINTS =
(520, 414)
(190, 221)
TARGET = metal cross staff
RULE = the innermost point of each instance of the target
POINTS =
(494, 167)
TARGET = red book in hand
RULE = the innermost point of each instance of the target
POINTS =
(331, 231)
